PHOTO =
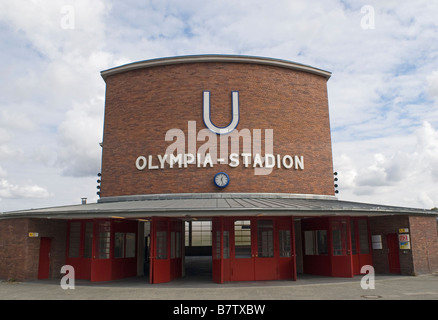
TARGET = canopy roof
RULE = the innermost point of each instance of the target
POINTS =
(209, 205)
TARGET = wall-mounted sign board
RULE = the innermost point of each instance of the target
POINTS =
(376, 241)
(404, 241)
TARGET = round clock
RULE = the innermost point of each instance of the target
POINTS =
(221, 179)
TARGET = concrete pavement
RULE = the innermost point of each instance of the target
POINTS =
(387, 287)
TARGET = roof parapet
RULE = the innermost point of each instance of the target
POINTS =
(214, 58)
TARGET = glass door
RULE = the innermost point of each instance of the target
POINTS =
(221, 250)
(360, 243)
(265, 263)
(160, 258)
(262, 249)
(243, 253)
(80, 247)
(101, 264)
(176, 227)
(341, 256)
(286, 246)
(166, 250)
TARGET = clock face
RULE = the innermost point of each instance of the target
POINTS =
(221, 179)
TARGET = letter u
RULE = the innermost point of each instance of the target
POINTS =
(234, 111)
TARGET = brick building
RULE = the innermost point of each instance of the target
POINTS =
(223, 157)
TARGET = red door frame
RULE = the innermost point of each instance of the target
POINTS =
(81, 264)
(123, 267)
(342, 264)
(393, 253)
(329, 263)
(266, 268)
(287, 265)
(160, 261)
(44, 258)
(255, 267)
(101, 264)
(242, 268)
(217, 249)
(221, 252)
(359, 258)
(164, 267)
(293, 249)
(176, 229)
(152, 243)
(316, 263)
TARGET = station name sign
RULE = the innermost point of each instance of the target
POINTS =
(247, 160)
(237, 148)
(246, 146)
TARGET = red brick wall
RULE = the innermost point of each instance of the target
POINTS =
(384, 226)
(423, 255)
(13, 248)
(424, 243)
(141, 105)
(19, 253)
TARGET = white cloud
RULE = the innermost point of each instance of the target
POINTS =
(10, 153)
(433, 84)
(405, 174)
(383, 88)
(49, 74)
(14, 120)
(428, 150)
(12, 124)
(9, 190)
(3, 173)
(79, 137)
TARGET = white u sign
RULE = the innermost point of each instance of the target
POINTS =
(234, 111)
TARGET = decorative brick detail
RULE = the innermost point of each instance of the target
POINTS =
(141, 105)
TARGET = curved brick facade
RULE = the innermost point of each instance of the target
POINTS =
(144, 101)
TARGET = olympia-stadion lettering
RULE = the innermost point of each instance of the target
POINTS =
(176, 155)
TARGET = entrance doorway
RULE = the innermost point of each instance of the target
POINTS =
(253, 248)
(335, 246)
(165, 250)
(393, 253)
(179, 248)
(223, 249)
(197, 249)
(44, 258)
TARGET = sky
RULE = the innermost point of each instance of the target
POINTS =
(383, 93)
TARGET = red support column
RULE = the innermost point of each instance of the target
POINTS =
(293, 249)
(152, 251)
(349, 248)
